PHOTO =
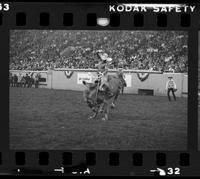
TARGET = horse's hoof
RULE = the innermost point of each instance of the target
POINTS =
(112, 106)
(104, 119)
(91, 117)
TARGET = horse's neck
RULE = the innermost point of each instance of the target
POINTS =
(92, 93)
(93, 86)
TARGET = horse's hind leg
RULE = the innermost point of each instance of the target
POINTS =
(106, 110)
(114, 100)
(95, 111)
(106, 114)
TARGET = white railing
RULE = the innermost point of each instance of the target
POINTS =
(28, 71)
(110, 70)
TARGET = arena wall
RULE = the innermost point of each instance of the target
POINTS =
(136, 80)
(71, 80)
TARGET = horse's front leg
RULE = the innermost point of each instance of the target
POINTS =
(95, 111)
(94, 115)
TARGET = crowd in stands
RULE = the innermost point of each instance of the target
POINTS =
(146, 50)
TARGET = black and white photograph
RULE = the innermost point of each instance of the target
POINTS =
(199, 90)
(98, 90)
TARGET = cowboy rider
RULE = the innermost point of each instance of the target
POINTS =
(103, 71)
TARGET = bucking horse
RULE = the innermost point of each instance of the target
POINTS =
(101, 101)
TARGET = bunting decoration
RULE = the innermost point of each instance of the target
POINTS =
(68, 74)
(143, 76)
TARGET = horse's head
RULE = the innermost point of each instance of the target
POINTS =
(91, 96)
(90, 86)
(90, 91)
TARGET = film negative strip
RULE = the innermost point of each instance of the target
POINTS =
(100, 89)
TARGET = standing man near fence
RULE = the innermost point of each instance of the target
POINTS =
(19, 80)
(171, 86)
(10, 79)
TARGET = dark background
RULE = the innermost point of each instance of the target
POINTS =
(102, 166)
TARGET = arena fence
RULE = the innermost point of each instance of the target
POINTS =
(43, 80)
(138, 81)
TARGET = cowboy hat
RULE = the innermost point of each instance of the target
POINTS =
(104, 56)
(99, 51)
(109, 59)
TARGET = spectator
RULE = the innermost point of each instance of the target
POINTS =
(43, 49)
(171, 69)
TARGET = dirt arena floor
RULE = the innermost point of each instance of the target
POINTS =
(45, 119)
